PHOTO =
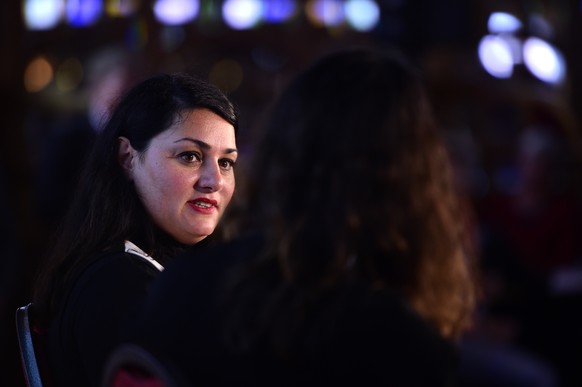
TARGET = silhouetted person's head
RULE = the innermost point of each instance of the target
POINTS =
(354, 183)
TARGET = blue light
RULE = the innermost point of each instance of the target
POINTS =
(544, 60)
(327, 12)
(83, 13)
(242, 14)
(176, 12)
(500, 22)
(42, 14)
(362, 15)
(276, 11)
(496, 56)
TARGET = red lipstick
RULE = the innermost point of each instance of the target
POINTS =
(203, 205)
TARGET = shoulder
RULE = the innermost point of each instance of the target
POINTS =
(106, 289)
(111, 276)
(202, 266)
(118, 263)
(393, 318)
(190, 285)
(385, 330)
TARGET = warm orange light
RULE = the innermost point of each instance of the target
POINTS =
(38, 74)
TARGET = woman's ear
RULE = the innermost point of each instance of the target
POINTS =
(125, 155)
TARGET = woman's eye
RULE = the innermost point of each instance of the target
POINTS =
(226, 164)
(189, 157)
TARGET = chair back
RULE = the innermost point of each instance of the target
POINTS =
(131, 365)
(30, 337)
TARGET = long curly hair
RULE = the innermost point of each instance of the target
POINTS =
(354, 183)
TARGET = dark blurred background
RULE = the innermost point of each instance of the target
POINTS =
(507, 90)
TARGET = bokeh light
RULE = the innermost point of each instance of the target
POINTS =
(38, 74)
(42, 14)
(242, 14)
(136, 36)
(278, 11)
(544, 60)
(69, 75)
(83, 13)
(503, 22)
(120, 8)
(362, 15)
(495, 55)
(328, 13)
(176, 12)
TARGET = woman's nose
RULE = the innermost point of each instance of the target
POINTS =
(210, 179)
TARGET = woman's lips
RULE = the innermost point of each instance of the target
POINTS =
(203, 205)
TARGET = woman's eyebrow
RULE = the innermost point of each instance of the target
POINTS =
(204, 145)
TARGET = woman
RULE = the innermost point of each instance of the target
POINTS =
(158, 180)
(359, 274)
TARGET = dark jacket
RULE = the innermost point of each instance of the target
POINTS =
(85, 328)
(212, 336)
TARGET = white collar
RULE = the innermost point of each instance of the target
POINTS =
(133, 249)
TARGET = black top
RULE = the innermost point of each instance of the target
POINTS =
(85, 328)
(351, 334)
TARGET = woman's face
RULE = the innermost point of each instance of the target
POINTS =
(185, 177)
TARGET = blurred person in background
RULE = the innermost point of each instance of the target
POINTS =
(62, 127)
(489, 356)
(531, 255)
(159, 179)
(352, 267)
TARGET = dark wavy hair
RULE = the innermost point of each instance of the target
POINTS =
(355, 185)
(106, 209)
